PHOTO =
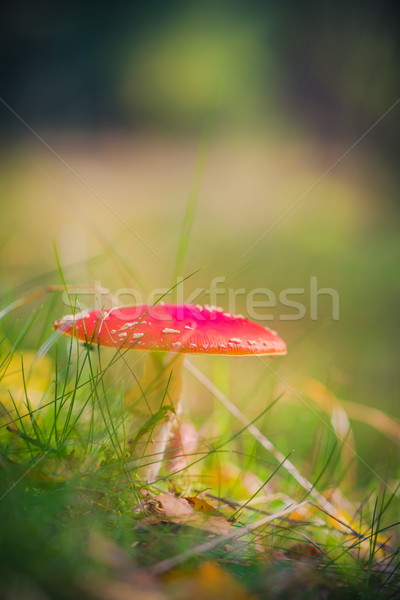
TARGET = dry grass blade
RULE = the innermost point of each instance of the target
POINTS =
(50, 289)
(387, 425)
(174, 561)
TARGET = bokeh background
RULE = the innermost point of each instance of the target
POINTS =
(113, 117)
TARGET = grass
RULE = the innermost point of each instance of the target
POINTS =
(77, 522)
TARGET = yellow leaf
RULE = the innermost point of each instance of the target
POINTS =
(202, 506)
(208, 581)
(37, 374)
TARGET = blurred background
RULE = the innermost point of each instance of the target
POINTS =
(115, 117)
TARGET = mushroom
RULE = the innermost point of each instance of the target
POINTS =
(175, 329)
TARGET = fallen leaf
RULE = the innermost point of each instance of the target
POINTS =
(200, 505)
(175, 507)
(217, 525)
(178, 510)
(303, 551)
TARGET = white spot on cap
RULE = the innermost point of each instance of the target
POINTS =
(192, 346)
(176, 344)
(113, 331)
(188, 327)
(167, 330)
(213, 308)
(252, 342)
(236, 340)
(122, 335)
(128, 325)
(272, 331)
(137, 335)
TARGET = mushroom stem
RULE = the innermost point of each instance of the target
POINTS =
(154, 406)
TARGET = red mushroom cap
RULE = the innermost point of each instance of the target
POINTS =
(184, 328)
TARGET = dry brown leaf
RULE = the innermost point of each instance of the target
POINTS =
(200, 505)
(217, 525)
(178, 510)
(175, 507)
(303, 551)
